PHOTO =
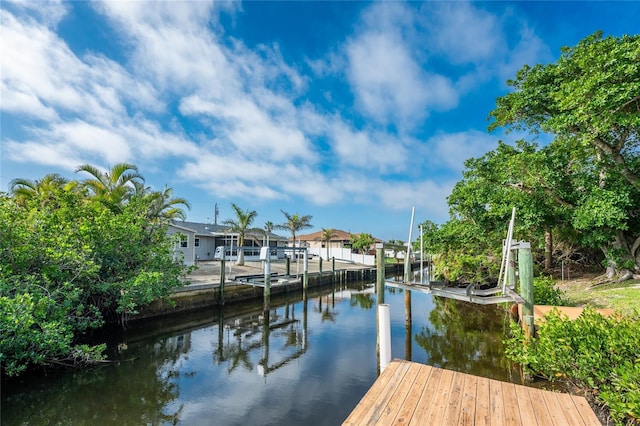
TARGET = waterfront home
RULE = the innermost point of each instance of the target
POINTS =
(198, 241)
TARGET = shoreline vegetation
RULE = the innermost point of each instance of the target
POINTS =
(595, 356)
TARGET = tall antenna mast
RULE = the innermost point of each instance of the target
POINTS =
(215, 214)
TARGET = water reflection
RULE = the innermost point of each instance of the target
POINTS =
(466, 337)
(302, 362)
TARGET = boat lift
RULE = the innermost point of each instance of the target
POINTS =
(504, 292)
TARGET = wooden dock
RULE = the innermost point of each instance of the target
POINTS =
(408, 393)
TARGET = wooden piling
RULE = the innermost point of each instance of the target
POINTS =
(379, 301)
(223, 271)
(380, 274)
(525, 271)
(267, 287)
(407, 315)
(305, 274)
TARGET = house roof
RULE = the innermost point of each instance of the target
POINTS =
(214, 229)
(340, 235)
(317, 236)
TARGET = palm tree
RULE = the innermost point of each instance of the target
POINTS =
(243, 220)
(26, 189)
(327, 235)
(114, 187)
(163, 206)
(294, 224)
(268, 228)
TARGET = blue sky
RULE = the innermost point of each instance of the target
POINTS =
(351, 112)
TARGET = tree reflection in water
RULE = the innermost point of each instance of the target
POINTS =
(363, 300)
(466, 337)
(145, 390)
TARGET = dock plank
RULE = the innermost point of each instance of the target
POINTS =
(381, 401)
(569, 409)
(587, 414)
(416, 394)
(468, 403)
(543, 418)
(452, 409)
(555, 408)
(441, 399)
(398, 396)
(377, 394)
(527, 414)
(496, 402)
(424, 407)
(483, 408)
(510, 404)
(420, 386)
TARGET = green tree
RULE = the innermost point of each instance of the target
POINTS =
(114, 187)
(294, 224)
(269, 227)
(397, 246)
(243, 221)
(67, 265)
(26, 189)
(589, 100)
(362, 242)
(327, 235)
(164, 206)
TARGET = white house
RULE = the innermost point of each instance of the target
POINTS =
(198, 241)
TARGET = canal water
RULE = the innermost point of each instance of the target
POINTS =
(306, 363)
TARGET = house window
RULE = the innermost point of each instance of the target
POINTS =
(184, 241)
(197, 242)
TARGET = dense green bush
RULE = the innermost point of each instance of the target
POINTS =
(67, 264)
(545, 292)
(597, 353)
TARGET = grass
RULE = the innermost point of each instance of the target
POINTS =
(623, 297)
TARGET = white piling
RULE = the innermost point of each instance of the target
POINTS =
(384, 330)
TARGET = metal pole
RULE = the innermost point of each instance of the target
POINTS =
(421, 256)
(407, 267)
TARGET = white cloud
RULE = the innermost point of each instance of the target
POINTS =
(21, 100)
(529, 50)
(92, 140)
(389, 85)
(428, 196)
(245, 126)
(49, 12)
(377, 153)
(463, 32)
(48, 153)
(453, 149)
